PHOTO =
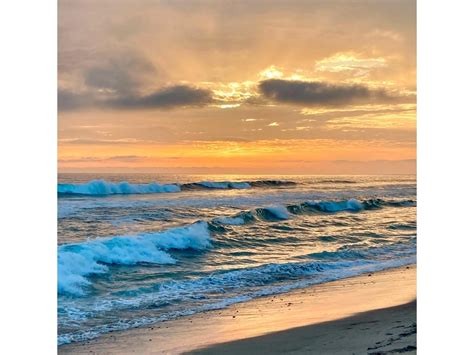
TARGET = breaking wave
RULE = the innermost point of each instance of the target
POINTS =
(101, 187)
(78, 261)
(104, 188)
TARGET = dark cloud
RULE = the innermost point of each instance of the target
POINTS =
(69, 100)
(119, 82)
(123, 73)
(311, 93)
(165, 98)
(168, 97)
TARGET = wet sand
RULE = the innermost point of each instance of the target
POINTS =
(368, 314)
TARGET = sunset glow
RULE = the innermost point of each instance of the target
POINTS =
(277, 87)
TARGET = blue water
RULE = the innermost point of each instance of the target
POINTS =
(137, 249)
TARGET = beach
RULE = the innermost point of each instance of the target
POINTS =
(373, 313)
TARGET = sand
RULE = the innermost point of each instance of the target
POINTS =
(384, 331)
(368, 314)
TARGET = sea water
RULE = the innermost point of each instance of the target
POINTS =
(139, 249)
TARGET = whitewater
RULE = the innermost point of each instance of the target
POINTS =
(140, 249)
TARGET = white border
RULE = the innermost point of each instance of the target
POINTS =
(445, 136)
(445, 176)
(28, 197)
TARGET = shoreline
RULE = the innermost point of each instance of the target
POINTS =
(249, 325)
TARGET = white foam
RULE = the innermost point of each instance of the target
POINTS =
(246, 281)
(77, 261)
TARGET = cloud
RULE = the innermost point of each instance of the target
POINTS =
(312, 93)
(120, 81)
(69, 100)
(164, 98)
(168, 97)
(347, 62)
(120, 158)
(122, 73)
(123, 82)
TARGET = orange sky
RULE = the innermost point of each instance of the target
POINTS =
(237, 86)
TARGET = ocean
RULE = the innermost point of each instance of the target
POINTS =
(139, 249)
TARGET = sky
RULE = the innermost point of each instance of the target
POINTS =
(244, 87)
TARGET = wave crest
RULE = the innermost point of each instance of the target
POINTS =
(102, 187)
(337, 206)
(217, 185)
(78, 261)
(273, 213)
